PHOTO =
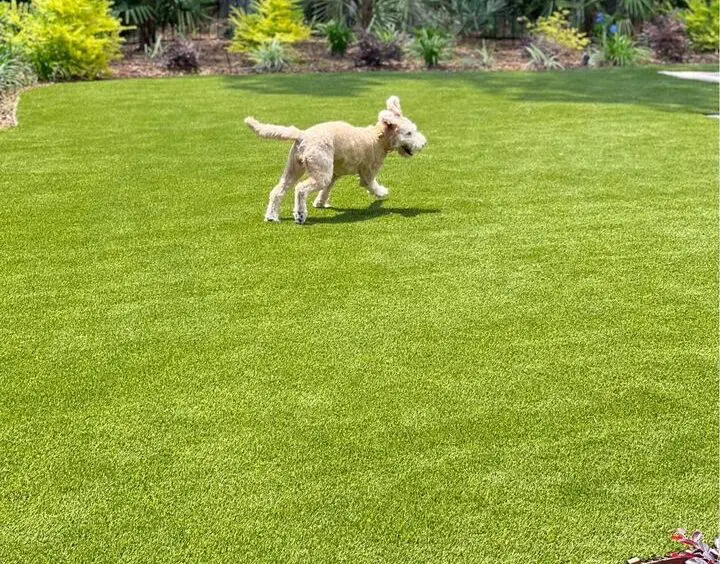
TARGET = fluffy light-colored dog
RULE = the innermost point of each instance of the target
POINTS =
(333, 149)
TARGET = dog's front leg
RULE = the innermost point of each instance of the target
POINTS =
(374, 188)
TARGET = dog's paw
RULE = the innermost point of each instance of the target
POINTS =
(299, 217)
(321, 205)
(382, 193)
(269, 219)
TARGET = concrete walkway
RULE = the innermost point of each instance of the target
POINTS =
(688, 75)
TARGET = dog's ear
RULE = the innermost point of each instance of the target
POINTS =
(393, 104)
(388, 118)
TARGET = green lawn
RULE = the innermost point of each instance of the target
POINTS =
(514, 359)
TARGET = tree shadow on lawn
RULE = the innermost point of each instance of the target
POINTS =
(639, 86)
(373, 211)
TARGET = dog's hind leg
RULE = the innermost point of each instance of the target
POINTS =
(320, 176)
(293, 172)
(322, 198)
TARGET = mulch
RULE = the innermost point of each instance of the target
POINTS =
(313, 56)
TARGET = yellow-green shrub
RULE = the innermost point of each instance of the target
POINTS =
(557, 29)
(70, 38)
(702, 20)
(281, 20)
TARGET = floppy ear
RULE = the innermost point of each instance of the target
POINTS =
(393, 104)
(389, 118)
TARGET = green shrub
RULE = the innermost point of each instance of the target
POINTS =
(430, 44)
(281, 20)
(270, 57)
(556, 29)
(618, 50)
(338, 36)
(70, 38)
(702, 20)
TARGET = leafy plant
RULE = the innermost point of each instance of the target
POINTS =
(269, 19)
(620, 50)
(468, 16)
(702, 19)
(70, 38)
(11, 15)
(556, 29)
(635, 10)
(270, 57)
(540, 60)
(430, 44)
(182, 56)
(151, 17)
(702, 552)
(15, 71)
(338, 36)
(373, 52)
(666, 36)
(486, 57)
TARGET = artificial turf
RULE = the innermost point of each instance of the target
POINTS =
(511, 360)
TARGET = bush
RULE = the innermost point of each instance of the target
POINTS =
(338, 36)
(11, 15)
(557, 31)
(182, 56)
(271, 19)
(431, 45)
(15, 71)
(270, 57)
(617, 50)
(373, 52)
(66, 39)
(666, 37)
(702, 20)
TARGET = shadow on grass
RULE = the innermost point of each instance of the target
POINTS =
(373, 211)
(639, 86)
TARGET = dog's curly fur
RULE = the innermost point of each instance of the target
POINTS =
(330, 150)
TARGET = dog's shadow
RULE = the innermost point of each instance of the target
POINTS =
(373, 211)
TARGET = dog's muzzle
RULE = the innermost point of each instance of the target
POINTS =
(409, 149)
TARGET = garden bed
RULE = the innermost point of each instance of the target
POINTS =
(312, 56)
(8, 107)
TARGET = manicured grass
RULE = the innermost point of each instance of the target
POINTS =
(511, 360)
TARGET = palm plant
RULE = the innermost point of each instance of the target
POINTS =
(153, 16)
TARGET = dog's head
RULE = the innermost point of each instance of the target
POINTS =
(402, 135)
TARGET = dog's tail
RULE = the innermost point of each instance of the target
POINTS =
(269, 131)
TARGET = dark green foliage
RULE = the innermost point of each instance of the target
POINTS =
(153, 16)
(338, 36)
(430, 44)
